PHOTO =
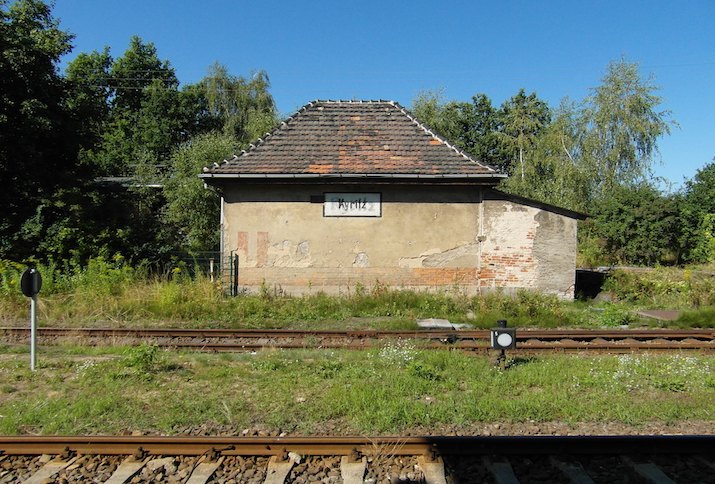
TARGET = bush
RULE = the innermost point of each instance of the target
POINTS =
(663, 287)
(10, 273)
(144, 358)
(614, 315)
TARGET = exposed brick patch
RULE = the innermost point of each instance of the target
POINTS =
(242, 245)
(507, 269)
(261, 249)
(334, 279)
(440, 276)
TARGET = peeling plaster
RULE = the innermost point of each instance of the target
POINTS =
(361, 260)
(461, 256)
(465, 255)
(288, 254)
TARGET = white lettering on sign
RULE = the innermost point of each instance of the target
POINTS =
(352, 205)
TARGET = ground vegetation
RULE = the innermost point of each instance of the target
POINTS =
(395, 389)
(113, 292)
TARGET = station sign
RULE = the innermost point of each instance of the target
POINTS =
(367, 204)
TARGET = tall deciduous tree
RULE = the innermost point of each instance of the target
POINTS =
(241, 107)
(428, 106)
(471, 127)
(38, 142)
(192, 209)
(623, 125)
(521, 120)
(483, 139)
(145, 109)
(89, 91)
(133, 116)
(240, 110)
(554, 173)
(697, 213)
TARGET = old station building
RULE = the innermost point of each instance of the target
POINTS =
(348, 192)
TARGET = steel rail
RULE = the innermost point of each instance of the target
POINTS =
(522, 334)
(522, 348)
(528, 340)
(279, 446)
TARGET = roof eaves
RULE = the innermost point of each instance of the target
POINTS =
(530, 201)
(350, 175)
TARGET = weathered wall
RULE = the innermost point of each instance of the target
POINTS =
(427, 236)
(527, 246)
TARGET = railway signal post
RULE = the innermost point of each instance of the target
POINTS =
(30, 284)
(502, 338)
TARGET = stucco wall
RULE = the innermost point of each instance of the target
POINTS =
(526, 246)
(426, 237)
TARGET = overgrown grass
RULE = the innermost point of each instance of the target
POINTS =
(382, 391)
(702, 318)
(664, 288)
(111, 292)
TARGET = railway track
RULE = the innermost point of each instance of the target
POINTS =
(528, 340)
(196, 460)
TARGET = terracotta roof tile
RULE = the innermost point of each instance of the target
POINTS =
(352, 138)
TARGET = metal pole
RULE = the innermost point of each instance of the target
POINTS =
(235, 276)
(33, 332)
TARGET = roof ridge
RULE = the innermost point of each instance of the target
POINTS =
(353, 101)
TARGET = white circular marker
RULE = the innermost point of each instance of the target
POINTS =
(504, 339)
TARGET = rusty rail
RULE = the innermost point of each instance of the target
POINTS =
(267, 446)
(564, 340)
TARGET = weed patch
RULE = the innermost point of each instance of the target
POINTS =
(664, 288)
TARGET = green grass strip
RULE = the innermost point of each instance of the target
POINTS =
(388, 390)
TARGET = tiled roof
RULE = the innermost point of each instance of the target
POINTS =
(352, 139)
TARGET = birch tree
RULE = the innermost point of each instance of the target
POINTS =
(623, 122)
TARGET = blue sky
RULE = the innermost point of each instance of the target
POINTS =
(393, 49)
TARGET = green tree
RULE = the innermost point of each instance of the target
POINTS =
(635, 225)
(38, 140)
(471, 127)
(240, 107)
(483, 139)
(135, 72)
(89, 92)
(428, 107)
(192, 209)
(240, 111)
(145, 109)
(555, 173)
(521, 120)
(623, 124)
(697, 209)
(134, 117)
